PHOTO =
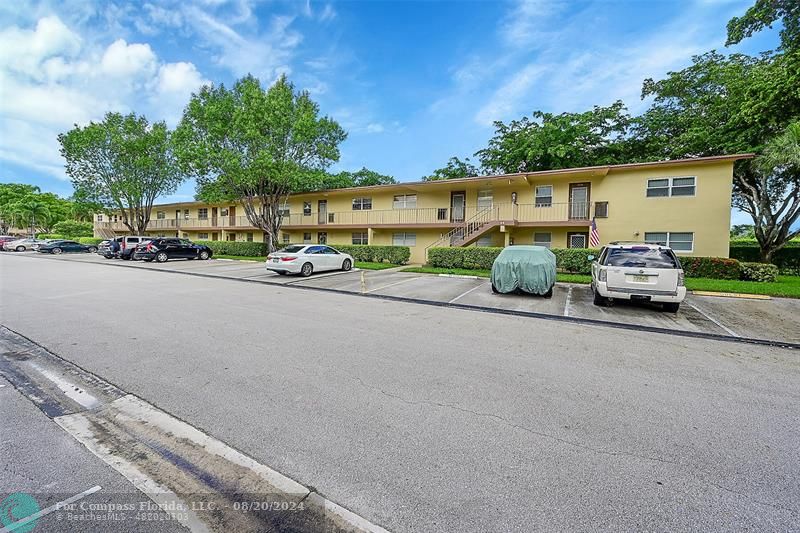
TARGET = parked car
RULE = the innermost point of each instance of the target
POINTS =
(161, 249)
(127, 246)
(530, 269)
(21, 245)
(66, 247)
(6, 238)
(638, 271)
(305, 259)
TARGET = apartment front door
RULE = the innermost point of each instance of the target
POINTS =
(322, 210)
(579, 200)
(214, 217)
(458, 204)
(232, 215)
(177, 217)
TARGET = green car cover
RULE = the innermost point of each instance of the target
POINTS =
(529, 268)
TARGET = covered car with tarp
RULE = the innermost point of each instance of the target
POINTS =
(530, 269)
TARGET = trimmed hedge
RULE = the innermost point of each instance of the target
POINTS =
(711, 267)
(787, 259)
(90, 240)
(243, 248)
(759, 272)
(573, 260)
(49, 236)
(397, 255)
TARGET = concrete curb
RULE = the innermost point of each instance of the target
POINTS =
(733, 295)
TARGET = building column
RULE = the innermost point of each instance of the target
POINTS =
(370, 235)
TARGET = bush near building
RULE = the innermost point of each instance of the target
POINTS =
(787, 259)
(574, 260)
(711, 267)
(759, 272)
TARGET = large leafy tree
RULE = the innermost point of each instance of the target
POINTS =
(763, 14)
(33, 212)
(256, 146)
(454, 169)
(10, 194)
(360, 178)
(548, 141)
(122, 163)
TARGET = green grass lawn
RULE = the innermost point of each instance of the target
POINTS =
(786, 286)
(365, 265)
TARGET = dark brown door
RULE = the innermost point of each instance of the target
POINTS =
(579, 200)
(214, 216)
(232, 214)
(458, 206)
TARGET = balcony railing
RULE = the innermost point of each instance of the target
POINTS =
(560, 213)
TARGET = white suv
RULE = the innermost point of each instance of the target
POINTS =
(638, 271)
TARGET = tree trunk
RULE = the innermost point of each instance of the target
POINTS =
(767, 252)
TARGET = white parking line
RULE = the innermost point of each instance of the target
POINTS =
(17, 526)
(728, 330)
(465, 293)
(568, 301)
(392, 284)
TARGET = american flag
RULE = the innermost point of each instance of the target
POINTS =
(594, 235)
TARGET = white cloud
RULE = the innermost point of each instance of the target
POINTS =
(506, 99)
(179, 78)
(123, 60)
(25, 50)
(524, 24)
(374, 127)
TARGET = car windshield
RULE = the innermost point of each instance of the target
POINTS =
(642, 257)
(292, 249)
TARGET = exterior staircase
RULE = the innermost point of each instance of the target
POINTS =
(470, 230)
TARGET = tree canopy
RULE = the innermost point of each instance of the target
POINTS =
(122, 163)
(360, 178)
(24, 206)
(256, 146)
(454, 169)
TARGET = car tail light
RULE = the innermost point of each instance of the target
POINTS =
(602, 275)
(288, 258)
(149, 247)
(680, 278)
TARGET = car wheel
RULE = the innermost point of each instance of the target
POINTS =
(307, 270)
(494, 289)
(20, 248)
(347, 265)
(92, 250)
(671, 307)
(161, 257)
(57, 250)
(203, 255)
(549, 294)
(600, 300)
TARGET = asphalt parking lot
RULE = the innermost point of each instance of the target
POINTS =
(774, 319)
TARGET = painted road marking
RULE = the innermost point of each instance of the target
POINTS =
(465, 293)
(568, 301)
(393, 284)
(70, 390)
(16, 526)
(728, 330)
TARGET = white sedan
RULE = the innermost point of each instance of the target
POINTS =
(305, 259)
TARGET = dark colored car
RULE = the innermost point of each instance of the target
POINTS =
(66, 247)
(162, 249)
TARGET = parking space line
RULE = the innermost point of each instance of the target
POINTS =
(728, 330)
(467, 292)
(18, 525)
(568, 301)
(392, 284)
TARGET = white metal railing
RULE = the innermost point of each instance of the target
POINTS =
(469, 227)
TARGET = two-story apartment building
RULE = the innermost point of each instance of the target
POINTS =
(683, 203)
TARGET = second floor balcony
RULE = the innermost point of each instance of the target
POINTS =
(542, 214)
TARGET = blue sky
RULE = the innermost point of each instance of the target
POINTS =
(412, 82)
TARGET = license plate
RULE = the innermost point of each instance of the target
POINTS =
(641, 279)
(276, 260)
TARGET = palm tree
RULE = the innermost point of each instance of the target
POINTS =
(31, 209)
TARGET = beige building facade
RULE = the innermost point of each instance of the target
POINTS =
(684, 203)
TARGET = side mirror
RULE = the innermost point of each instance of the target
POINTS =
(590, 257)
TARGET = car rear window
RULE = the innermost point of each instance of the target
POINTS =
(292, 249)
(643, 257)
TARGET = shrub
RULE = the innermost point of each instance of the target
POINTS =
(397, 255)
(759, 272)
(787, 259)
(245, 249)
(572, 260)
(72, 229)
(711, 267)
(90, 240)
(50, 236)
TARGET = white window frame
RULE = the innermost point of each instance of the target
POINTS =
(161, 215)
(185, 214)
(404, 201)
(585, 240)
(100, 218)
(307, 209)
(202, 213)
(670, 240)
(536, 196)
(362, 203)
(361, 236)
(548, 243)
(485, 199)
(404, 239)
(287, 238)
(284, 210)
(307, 240)
(202, 236)
(670, 187)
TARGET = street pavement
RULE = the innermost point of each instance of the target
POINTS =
(430, 419)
